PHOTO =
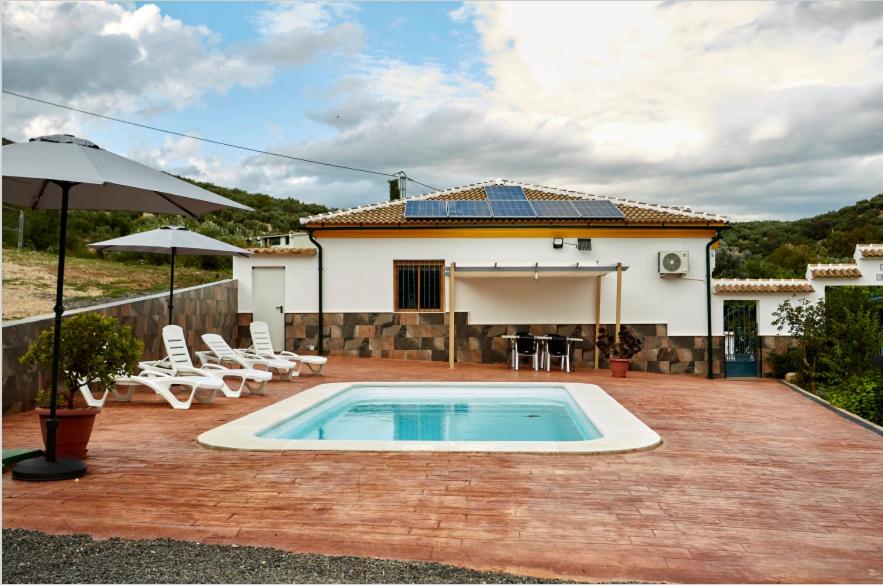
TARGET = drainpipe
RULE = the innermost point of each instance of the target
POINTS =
(321, 339)
(708, 342)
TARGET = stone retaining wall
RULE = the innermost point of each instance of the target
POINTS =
(773, 343)
(209, 308)
(424, 336)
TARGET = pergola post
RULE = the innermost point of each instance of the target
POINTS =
(451, 313)
(618, 299)
(597, 317)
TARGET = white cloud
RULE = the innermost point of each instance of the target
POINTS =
(296, 32)
(107, 57)
(743, 108)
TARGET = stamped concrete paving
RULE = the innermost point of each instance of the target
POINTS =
(753, 483)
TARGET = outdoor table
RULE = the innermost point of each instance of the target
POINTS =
(543, 340)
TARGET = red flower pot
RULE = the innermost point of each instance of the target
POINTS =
(74, 429)
(619, 367)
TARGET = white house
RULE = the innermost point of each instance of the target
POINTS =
(378, 277)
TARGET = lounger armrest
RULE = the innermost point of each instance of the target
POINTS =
(288, 354)
(154, 374)
(156, 367)
(213, 367)
(207, 357)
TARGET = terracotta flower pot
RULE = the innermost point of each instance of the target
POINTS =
(619, 367)
(74, 429)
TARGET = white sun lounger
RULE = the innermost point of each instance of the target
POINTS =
(262, 345)
(202, 389)
(219, 351)
(178, 363)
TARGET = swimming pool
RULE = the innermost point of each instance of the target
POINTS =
(468, 416)
(441, 413)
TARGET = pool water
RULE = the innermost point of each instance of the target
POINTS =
(441, 413)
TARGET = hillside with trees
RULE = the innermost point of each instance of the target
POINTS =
(782, 249)
(270, 215)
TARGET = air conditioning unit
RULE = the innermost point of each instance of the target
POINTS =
(673, 262)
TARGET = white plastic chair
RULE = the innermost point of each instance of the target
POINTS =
(202, 389)
(178, 363)
(219, 351)
(262, 345)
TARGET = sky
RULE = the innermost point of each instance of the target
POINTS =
(750, 109)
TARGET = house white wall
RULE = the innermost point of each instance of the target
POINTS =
(301, 281)
(359, 278)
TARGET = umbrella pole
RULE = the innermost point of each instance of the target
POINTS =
(50, 467)
(172, 286)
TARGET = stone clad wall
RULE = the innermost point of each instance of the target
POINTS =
(773, 343)
(424, 336)
(203, 309)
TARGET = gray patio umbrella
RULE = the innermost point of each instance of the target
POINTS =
(64, 172)
(173, 240)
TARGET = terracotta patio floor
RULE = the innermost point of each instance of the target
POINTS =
(753, 483)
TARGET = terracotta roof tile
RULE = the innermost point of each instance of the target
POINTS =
(871, 250)
(283, 251)
(750, 285)
(393, 213)
(834, 271)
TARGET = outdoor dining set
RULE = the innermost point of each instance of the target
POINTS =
(541, 350)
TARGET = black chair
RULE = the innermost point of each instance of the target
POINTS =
(557, 346)
(525, 346)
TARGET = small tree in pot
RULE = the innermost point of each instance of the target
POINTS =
(95, 349)
(619, 352)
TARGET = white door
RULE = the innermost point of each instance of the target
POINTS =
(268, 293)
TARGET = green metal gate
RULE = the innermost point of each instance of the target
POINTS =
(740, 339)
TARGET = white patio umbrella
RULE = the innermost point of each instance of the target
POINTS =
(64, 172)
(173, 240)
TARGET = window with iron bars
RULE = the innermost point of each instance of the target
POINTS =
(419, 285)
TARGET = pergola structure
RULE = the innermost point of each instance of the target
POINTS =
(534, 270)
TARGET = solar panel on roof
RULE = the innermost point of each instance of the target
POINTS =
(504, 193)
(512, 209)
(468, 209)
(424, 209)
(599, 209)
(554, 208)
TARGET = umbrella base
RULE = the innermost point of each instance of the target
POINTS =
(39, 469)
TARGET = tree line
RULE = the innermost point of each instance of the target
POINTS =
(234, 226)
(782, 249)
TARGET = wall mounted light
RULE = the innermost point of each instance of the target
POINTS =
(558, 243)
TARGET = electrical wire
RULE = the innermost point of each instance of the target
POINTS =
(431, 188)
(210, 140)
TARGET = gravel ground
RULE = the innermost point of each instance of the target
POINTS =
(35, 557)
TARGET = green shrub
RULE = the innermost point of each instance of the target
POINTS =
(790, 360)
(854, 331)
(860, 394)
(804, 320)
(94, 350)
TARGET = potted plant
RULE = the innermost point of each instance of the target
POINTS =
(619, 352)
(95, 349)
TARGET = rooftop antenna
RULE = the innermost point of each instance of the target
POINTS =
(403, 184)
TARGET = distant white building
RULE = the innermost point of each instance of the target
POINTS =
(291, 239)
(524, 257)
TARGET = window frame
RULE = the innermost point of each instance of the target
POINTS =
(438, 264)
